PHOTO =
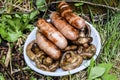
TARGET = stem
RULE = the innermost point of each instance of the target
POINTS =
(8, 56)
(45, 10)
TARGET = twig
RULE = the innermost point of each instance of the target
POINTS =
(90, 3)
(17, 70)
(94, 4)
(11, 69)
(7, 71)
(3, 48)
(8, 57)
(1, 54)
(22, 9)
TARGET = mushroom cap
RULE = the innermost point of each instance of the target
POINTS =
(70, 60)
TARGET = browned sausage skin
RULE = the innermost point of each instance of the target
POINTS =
(64, 7)
(75, 20)
(48, 47)
(52, 33)
(71, 17)
(65, 28)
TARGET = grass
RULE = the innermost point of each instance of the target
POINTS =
(110, 38)
(111, 42)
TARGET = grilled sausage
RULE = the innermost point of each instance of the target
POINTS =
(64, 8)
(48, 47)
(71, 17)
(65, 28)
(52, 33)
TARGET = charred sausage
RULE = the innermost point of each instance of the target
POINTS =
(65, 28)
(47, 46)
(71, 17)
(52, 33)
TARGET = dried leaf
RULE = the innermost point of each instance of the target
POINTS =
(8, 56)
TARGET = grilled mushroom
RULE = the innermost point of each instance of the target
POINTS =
(35, 48)
(80, 49)
(69, 48)
(86, 30)
(44, 62)
(29, 52)
(84, 37)
(70, 60)
(87, 53)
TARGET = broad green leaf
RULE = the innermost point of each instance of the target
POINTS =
(33, 78)
(2, 31)
(78, 4)
(11, 23)
(33, 14)
(1, 77)
(25, 17)
(96, 72)
(109, 77)
(92, 64)
(40, 3)
(8, 16)
(17, 16)
(12, 26)
(107, 67)
(5, 17)
(18, 24)
(29, 27)
(12, 37)
(98, 79)
(43, 8)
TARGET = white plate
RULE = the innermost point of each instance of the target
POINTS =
(59, 72)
